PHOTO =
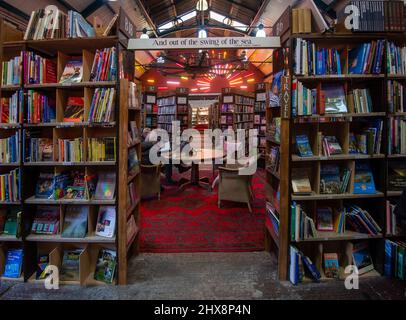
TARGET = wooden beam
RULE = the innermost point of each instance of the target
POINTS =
(94, 6)
(258, 16)
(147, 17)
(66, 5)
(14, 10)
(241, 5)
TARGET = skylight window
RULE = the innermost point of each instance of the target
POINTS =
(228, 21)
(171, 24)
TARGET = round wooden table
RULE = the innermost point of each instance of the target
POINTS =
(200, 156)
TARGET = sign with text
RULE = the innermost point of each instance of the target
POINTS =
(204, 43)
(285, 101)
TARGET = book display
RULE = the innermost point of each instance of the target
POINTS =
(341, 125)
(150, 107)
(260, 117)
(60, 128)
(173, 106)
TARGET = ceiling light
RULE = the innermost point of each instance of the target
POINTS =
(202, 33)
(261, 32)
(160, 60)
(144, 34)
(202, 5)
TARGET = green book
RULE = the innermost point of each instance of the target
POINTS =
(12, 225)
(75, 222)
(70, 265)
(106, 266)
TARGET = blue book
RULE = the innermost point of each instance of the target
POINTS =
(303, 146)
(387, 270)
(294, 266)
(311, 268)
(364, 180)
(356, 60)
(338, 62)
(14, 262)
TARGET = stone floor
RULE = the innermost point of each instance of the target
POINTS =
(208, 276)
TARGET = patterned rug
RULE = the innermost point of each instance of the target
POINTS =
(190, 221)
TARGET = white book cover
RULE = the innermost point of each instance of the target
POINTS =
(106, 222)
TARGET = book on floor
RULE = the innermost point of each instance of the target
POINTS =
(75, 222)
(106, 266)
(106, 222)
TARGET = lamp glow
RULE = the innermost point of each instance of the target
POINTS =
(261, 32)
(144, 34)
(202, 5)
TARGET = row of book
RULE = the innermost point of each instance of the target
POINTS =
(11, 72)
(233, 108)
(37, 149)
(380, 16)
(396, 97)
(105, 270)
(102, 106)
(52, 23)
(47, 221)
(41, 108)
(101, 149)
(9, 149)
(397, 136)
(335, 179)
(38, 70)
(11, 108)
(396, 59)
(395, 262)
(70, 150)
(10, 186)
(76, 185)
(363, 59)
(104, 66)
(301, 266)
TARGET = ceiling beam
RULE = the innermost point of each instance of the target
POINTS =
(66, 5)
(241, 5)
(94, 6)
(258, 16)
(14, 10)
(147, 17)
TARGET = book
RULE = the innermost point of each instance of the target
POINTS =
(41, 108)
(395, 262)
(106, 186)
(75, 222)
(13, 263)
(38, 149)
(42, 264)
(10, 186)
(311, 268)
(102, 106)
(364, 180)
(70, 265)
(333, 99)
(74, 111)
(303, 146)
(104, 66)
(13, 223)
(330, 181)
(101, 149)
(325, 219)
(366, 58)
(397, 176)
(331, 265)
(361, 221)
(38, 70)
(46, 220)
(11, 108)
(70, 150)
(73, 72)
(300, 181)
(331, 146)
(362, 258)
(132, 230)
(45, 186)
(9, 149)
(133, 162)
(396, 96)
(106, 221)
(106, 266)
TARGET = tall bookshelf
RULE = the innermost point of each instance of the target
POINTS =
(261, 102)
(174, 106)
(339, 125)
(150, 108)
(60, 51)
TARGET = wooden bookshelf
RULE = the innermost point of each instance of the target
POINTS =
(60, 51)
(174, 106)
(150, 108)
(261, 103)
(339, 125)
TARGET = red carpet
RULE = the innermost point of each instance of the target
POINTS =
(190, 221)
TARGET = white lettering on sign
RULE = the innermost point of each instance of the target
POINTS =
(206, 43)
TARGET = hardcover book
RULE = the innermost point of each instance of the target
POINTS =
(73, 72)
(325, 219)
(300, 181)
(362, 258)
(106, 221)
(46, 220)
(364, 180)
(333, 98)
(106, 266)
(331, 265)
(75, 222)
(74, 110)
(13, 263)
(303, 146)
(330, 182)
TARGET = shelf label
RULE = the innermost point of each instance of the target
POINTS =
(285, 101)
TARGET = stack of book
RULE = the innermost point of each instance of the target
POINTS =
(11, 71)
(395, 262)
(101, 149)
(11, 108)
(310, 60)
(359, 101)
(366, 58)
(301, 182)
(104, 65)
(10, 187)
(304, 100)
(40, 108)
(70, 150)
(396, 59)
(38, 70)
(10, 222)
(55, 24)
(361, 221)
(102, 106)
(9, 149)
(299, 265)
(302, 226)
(397, 136)
(396, 96)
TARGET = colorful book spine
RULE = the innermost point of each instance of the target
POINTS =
(70, 150)
(104, 65)
(397, 136)
(101, 149)
(395, 59)
(11, 71)
(9, 149)
(395, 260)
(11, 108)
(38, 70)
(40, 108)
(10, 188)
(101, 109)
(396, 96)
